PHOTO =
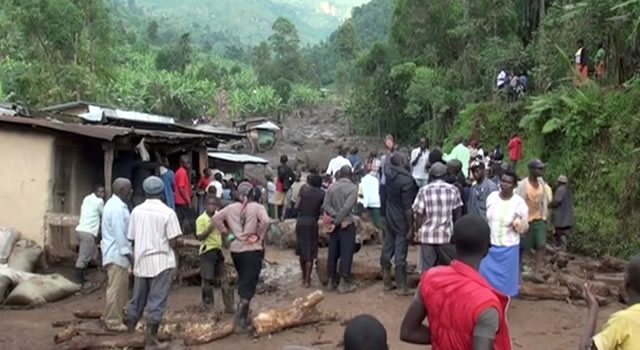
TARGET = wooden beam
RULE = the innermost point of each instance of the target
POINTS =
(203, 160)
(108, 167)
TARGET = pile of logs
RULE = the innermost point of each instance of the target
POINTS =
(565, 274)
(86, 331)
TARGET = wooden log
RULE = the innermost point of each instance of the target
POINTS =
(128, 341)
(65, 335)
(87, 314)
(359, 271)
(64, 323)
(192, 243)
(198, 335)
(544, 291)
(576, 285)
(613, 279)
(302, 311)
(613, 264)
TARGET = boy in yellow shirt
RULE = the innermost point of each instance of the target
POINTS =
(211, 258)
(622, 330)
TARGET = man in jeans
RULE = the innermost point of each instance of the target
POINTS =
(402, 191)
(437, 205)
(87, 230)
(338, 203)
(154, 230)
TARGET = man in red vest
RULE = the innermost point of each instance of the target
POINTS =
(464, 311)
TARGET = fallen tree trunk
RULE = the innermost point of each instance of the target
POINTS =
(302, 311)
(576, 286)
(610, 263)
(544, 291)
(613, 279)
(359, 271)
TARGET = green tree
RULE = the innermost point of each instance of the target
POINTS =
(347, 43)
(176, 57)
(152, 32)
(285, 45)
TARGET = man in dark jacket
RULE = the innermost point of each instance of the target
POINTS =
(401, 190)
(286, 177)
(562, 205)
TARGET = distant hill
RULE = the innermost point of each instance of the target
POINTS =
(249, 20)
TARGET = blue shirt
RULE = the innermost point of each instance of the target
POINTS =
(115, 245)
(168, 179)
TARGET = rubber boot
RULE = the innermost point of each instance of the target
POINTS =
(131, 326)
(207, 296)
(346, 286)
(227, 298)
(401, 282)
(79, 276)
(332, 285)
(151, 341)
(242, 313)
(386, 279)
(563, 242)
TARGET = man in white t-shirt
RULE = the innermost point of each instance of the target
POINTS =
(338, 162)
(419, 160)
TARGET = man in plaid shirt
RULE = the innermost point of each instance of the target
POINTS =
(437, 206)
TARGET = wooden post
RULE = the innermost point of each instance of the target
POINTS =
(108, 167)
(203, 160)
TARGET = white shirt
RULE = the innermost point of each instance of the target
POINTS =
(90, 212)
(370, 189)
(418, 171)
(336, 164)
(151, 226)
(502, 77)
(501, 214)
(217, 185)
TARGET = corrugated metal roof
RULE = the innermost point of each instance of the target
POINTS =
(238, 158)
(96, 113)
(265, 126)
(101, 132)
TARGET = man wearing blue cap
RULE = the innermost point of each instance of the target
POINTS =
(154, 230)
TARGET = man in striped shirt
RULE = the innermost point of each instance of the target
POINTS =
(154, 230)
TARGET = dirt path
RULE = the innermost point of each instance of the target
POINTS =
(534, 325)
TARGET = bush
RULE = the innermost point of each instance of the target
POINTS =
(304, 95)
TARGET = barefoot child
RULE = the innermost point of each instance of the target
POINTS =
(622, 330)
(211, 258)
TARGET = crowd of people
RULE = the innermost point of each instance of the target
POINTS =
(468, 212)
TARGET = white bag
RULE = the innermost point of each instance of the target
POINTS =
(25, 256)
(8, 237)
(42, 289)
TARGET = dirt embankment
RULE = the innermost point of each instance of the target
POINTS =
(311, 136)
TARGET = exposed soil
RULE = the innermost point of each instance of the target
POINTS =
(534, 325)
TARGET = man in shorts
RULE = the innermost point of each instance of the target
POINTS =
(533, 190)
(211, 258)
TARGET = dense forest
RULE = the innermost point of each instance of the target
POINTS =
(405, 67)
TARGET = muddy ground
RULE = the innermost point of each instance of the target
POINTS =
(534, 325)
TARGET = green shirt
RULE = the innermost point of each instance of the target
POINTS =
(214, 240)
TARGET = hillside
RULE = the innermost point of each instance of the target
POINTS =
(251, 20)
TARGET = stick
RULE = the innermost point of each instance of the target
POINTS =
(87, 314)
